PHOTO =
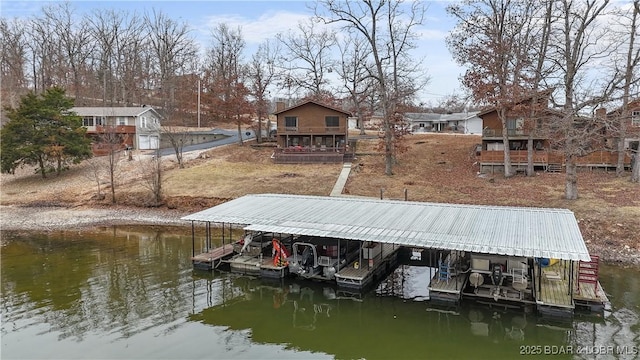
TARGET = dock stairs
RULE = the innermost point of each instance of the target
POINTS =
(588, 272)
(554, 168)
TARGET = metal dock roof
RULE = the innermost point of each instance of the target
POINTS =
(513, 231)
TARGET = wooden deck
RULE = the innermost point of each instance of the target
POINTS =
(553, 290)
(453, 285)
(208, 260)
(245, 264)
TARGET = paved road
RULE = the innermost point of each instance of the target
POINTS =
(232, 138)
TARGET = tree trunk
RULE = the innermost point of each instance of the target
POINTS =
(239, 133)
(620, 149)
(388, 152)
(508, 170)
(635, 167)
(530, 170)
(571, 180)
(42, 170)
(112, 170)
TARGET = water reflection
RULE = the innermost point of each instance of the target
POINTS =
(132, 293)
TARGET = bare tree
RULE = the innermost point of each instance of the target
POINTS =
(111, 143)
(151, 173)
(387, 28)
(629, 68)
(492, 38)
(262, 73)
(97, 172)
(178, 137)
(75, 42)
(13, 60)
(540, 31)
(309, 56)
(45, 54)
(576, 44)
(174, 50)
(120, 55)
(355, 75)
(228, 95)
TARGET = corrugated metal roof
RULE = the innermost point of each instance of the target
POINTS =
(514, 231)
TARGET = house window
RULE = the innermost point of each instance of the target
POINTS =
(291, 122)
(514, 126)
(332, 121)
(635, 118)
(87, 121)
(100, 120)
(121, 120)
(143, 122)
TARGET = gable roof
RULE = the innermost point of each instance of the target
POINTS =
(633, 105)
(512, 231)
(542, 93)
(313, 102)
(112, 111)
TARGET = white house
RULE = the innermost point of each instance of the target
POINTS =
(139, 127)
(464, 122)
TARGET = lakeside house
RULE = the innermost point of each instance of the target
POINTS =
(311, 132)
(136, 127)
(546, 155)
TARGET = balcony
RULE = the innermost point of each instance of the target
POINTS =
(519, 157)
(312, 129)
(497, 133)
(119, 129)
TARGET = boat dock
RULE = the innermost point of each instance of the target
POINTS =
(497, 255)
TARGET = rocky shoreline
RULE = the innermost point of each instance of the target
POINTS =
(53, 218)
(59, 218)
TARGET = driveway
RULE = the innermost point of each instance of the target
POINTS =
(232, 137)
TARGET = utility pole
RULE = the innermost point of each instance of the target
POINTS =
(198, 101)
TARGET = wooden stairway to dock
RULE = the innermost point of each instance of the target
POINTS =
(554, 168)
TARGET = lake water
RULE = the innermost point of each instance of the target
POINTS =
(131, 293)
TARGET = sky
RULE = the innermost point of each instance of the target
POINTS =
(260, 20)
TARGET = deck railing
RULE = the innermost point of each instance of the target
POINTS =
(299, 154)
(597, 158)
(510, 132)
(313, 129)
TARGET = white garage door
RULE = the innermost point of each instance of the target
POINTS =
(143, 142)
(148, 142)
(154, 142)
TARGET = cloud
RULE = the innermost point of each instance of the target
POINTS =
(257, 30)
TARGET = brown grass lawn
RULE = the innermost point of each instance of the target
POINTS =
(436, 168)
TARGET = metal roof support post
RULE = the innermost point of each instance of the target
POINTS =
(539, 277)
(571, 280)
(338, 266)
(207, 228)
(193, 239)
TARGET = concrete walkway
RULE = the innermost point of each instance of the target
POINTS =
(342, 180)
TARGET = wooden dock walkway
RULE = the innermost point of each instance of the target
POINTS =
(352, 276)
(211, 259)
(552, 291)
